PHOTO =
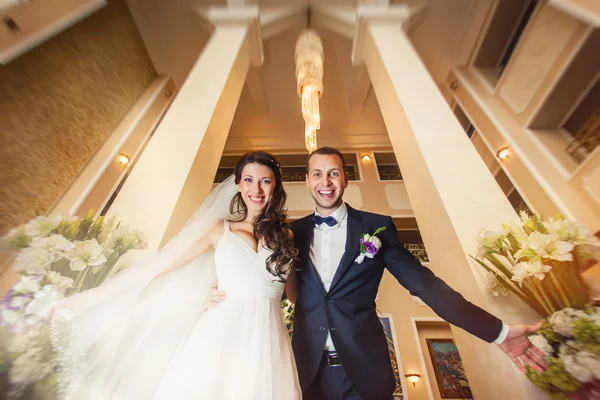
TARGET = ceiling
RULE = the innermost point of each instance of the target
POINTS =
(444, 34)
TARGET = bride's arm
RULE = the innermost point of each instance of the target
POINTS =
(290, 286)
(290, 283)
(210, 239)
(122, 280)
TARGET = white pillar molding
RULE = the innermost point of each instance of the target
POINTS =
(192, 135)
(588, 12)
(338, 19)
(452, 192)
(275, 20)
(223, 17)
(396, 16)
(381, 3)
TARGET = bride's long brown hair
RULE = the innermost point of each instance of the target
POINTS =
(270, 225)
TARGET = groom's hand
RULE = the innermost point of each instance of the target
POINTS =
(520, 350)
(215, 296)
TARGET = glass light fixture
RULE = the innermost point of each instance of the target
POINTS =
(123, 159)
(413, 378)
(309, 76)
(503, 153)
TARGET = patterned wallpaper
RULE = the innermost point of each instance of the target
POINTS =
(59, 102)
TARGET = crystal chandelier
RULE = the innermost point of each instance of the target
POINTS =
(309, 75)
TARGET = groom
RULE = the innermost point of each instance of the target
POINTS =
(340, 348)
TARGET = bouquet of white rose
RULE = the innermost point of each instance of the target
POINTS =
(541, 261)
(58, 256)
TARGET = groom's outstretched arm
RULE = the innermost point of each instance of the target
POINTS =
(454, 308)
(443, 300)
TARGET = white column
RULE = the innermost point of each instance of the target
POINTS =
(452, 192)
(192, 135)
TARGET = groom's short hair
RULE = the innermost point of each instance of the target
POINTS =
(326, 151)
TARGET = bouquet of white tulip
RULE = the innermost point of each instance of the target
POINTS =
(58, 256)
(541, 261)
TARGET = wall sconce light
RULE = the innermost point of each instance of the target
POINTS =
(413, 378)
(123, 159)
(366, 157)
(503, 153)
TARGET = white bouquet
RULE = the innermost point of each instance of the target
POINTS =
(58, 256)
(541, 261)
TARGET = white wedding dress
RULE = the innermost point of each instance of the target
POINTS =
(240, 349)
(164, 347)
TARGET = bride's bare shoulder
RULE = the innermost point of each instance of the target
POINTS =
(216, 232)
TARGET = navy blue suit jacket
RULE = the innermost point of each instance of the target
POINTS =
(348, 309)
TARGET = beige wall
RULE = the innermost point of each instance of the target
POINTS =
(60, 102)
(554, 54)
(396, 300)
(548, 41)
(432, 330)
(534, 170)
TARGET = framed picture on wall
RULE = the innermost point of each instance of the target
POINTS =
(449, 372)
(387, 322)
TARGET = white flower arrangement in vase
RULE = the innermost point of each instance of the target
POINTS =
(541, 261)
(57, 257)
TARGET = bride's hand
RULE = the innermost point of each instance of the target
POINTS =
(62, 308)
(215, 296)
(54, 309)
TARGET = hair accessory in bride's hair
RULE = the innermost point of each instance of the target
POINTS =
(277, 166)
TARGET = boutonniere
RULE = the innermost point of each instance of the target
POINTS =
(369, 245)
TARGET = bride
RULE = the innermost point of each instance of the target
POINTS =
(145, 334)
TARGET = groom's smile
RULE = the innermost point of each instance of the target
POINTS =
(326, 181)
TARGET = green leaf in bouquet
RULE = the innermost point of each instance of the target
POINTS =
(566, 285)
(80, 278)
(539, 223)
(4, 383)
(528, 254)
(106, 268)
(593, 348)
(15, 240)
(560, 288)
(513, 242)
(555, 378)
(529, 225)
(585, 330)
(496, 262)
(96, 230)
(68, 227)
(548, 333)
(547, 288)
(46, 388)
(4, 361)
(89, 216)
(539, 297)
(85, 226)
(504, 281)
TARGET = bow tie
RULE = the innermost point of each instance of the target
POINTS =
(318, 220)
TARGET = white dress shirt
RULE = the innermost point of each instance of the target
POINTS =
(327, 249)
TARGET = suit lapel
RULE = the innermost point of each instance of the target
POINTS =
(353, 233)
